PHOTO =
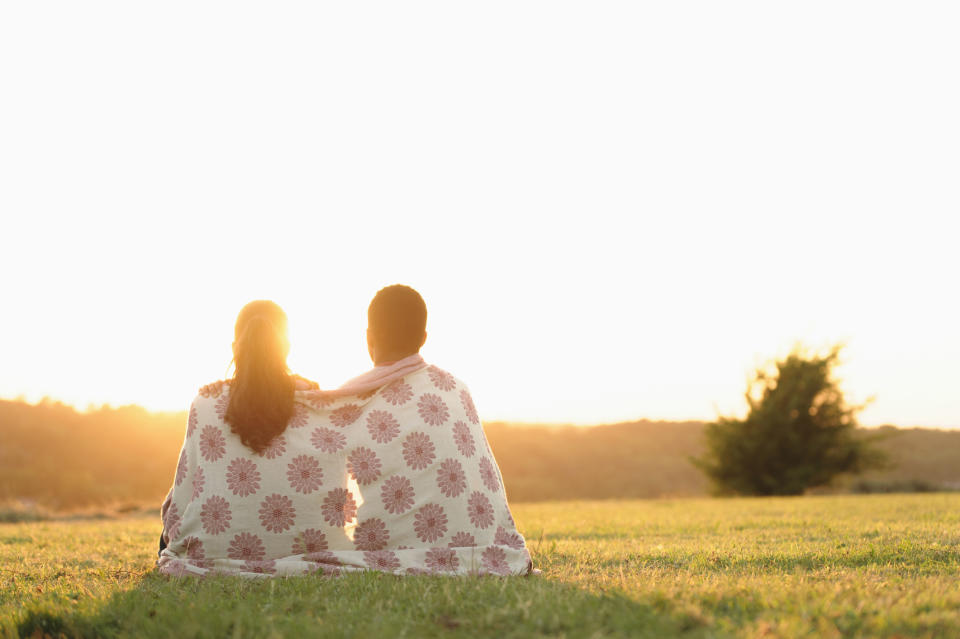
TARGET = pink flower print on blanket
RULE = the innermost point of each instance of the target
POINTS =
(468, 406)
(450, 478)
(432, 495)
(223, 402)
(504, 538)
(277, 513)
(345, 415)
(198, 482)
(463, 439)
(494, 559)
(430, 523)
(304, 474)
(397, 494)
(323, 557)
(442, 559)
(363, 465)
(462, 540)
(243, 478)
(277, 447)
(397, 393)
(171, 521)
(327, 439)
(262, 567)
(382, 560)
(382, 426)
(339, 507)
(309, 541)
(212, 443)
(192, 421)
(215, 515)
(320, 400)
(489, 475)
(480, 510)
(195, 552)
(441, 378)
(432, 409)
(246, 547)
(299, 417)
(371, 534)
(181, 468)
(418, 451)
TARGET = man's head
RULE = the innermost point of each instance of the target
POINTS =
(396, 324)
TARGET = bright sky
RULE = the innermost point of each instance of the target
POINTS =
(614, 210)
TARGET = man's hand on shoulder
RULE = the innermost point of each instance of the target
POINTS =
(212, 390)
(302, 383)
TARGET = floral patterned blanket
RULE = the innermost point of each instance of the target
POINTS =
(399, 479)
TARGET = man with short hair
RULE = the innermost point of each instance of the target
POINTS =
(437, 464)
(396, 324)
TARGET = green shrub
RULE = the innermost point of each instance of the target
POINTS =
(799, 433)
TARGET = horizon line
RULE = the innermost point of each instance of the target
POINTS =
(93, 407)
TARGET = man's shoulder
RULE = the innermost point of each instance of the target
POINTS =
(442, 378)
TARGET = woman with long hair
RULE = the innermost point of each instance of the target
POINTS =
(256, 404)
(261, 391)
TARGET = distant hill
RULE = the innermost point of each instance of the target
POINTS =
(925, 454)
(62, 459)
(636, 459)
(651, 459)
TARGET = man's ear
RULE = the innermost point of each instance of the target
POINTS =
(370, 348)
(424, 340)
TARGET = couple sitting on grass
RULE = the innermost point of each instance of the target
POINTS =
(390, 472)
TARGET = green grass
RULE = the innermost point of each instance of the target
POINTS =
(846, 566)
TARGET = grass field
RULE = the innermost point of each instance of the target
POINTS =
(843, 566)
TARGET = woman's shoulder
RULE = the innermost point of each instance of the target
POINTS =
(214, 389)
(209, 399)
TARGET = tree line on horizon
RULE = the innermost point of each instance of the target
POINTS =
(61, 459)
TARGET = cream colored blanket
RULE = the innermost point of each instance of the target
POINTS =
(399, 478)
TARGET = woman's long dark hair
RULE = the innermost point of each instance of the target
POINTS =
(261, 391)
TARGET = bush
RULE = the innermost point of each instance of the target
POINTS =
(799, 433)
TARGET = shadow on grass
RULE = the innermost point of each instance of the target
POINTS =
(364, 604)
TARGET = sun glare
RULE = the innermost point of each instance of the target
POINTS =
(604, 227)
